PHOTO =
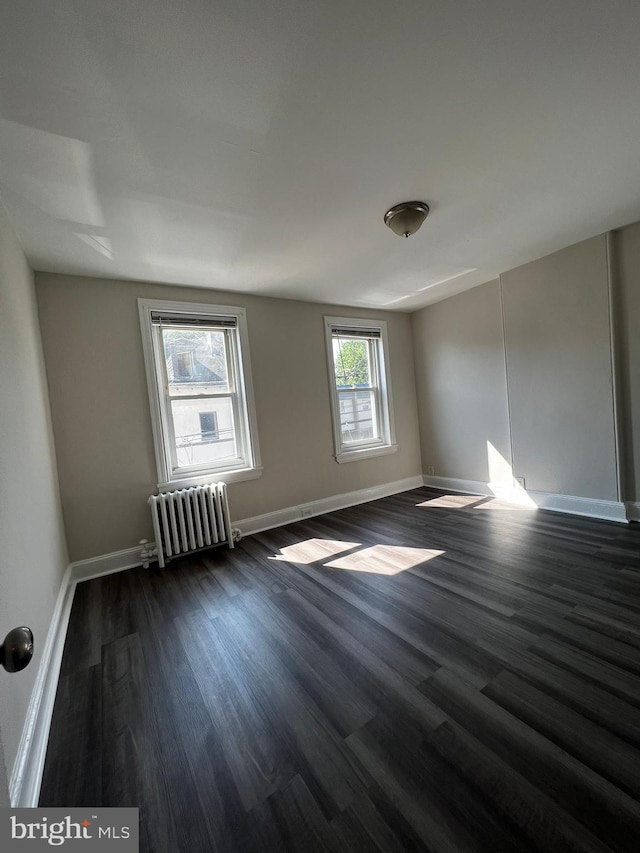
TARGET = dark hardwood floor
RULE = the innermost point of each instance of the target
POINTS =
(390, 677)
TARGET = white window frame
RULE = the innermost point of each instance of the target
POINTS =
(386, 442)
(170, 475)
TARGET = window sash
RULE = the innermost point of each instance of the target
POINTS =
(231, 365)
(224, 463)
(372, 358)
(239, 458)
(374, 418)
(373, 338)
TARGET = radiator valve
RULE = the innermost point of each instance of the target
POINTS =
(147, 552)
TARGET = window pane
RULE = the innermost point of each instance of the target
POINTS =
(358, 421)
(204, 430)
(196, 361)
(351, 360)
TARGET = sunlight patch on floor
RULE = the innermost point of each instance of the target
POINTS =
(384, 559)
(453, 501)
(313, 550)
(518, 501)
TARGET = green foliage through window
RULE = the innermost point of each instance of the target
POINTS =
(351, 358)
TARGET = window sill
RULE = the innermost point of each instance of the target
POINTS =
(365, 453)
(212, 477)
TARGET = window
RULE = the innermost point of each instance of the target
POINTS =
(209, 426)
(361, 404)
(203, 415)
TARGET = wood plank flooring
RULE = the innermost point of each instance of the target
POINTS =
(405, 675)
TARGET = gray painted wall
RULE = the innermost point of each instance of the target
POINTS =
(627, 303)
(461, 383)
(4, 780)
(556, 409)
(556, 317)
(100, 408)
(33, 554)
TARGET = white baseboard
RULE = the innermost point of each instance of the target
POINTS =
(589, 507)
(453, 484)
(26, 778)
(633, 510)
(607, 510)
(106, 564)
(258, 523)
(129, 558)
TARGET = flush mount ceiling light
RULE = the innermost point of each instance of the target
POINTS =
(405, 218)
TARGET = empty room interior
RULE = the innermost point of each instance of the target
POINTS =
(320, 419)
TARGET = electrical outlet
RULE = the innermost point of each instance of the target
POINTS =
(305, 511)
(520, 481)
(431, 470)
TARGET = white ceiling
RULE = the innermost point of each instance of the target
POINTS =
(254, 145)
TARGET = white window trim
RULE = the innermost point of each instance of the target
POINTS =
(387, 443)
(167, 482)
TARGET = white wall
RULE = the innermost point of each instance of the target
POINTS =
(33, 555)
(626, 247)
(548, 325)
(100, 409)
(4, 781)
(556, 318)
(461, 382)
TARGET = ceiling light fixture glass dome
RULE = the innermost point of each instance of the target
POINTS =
(405, 218)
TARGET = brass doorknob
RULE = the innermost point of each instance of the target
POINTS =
(17, 649)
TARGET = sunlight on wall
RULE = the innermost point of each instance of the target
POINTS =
(502, 483)
(500, 471)
(509, 494)
(497, 503)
